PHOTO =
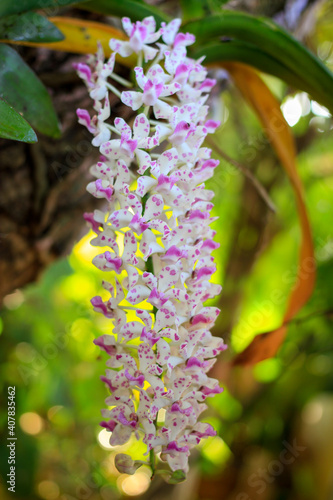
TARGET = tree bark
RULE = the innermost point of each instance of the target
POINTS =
(43, 186)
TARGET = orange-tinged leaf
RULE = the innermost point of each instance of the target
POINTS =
(81, 37)
(268, 111)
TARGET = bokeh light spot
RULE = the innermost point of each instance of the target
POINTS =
(134, 485)
(48, 490)
(267, 370)
(25, 352)
(216, 450)
(292, 110)
(104, 439)
(31, 423)
(78, 287)
(319, 110)
(13, 300)
(312, 412)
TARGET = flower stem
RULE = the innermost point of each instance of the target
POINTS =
(121, 80)
(113, 89)
(131, 308)
(112, 128)
(152, 462)
(150, 269)
(139, 63)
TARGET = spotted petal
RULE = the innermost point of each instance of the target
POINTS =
(132, 99)
(138, 294)
(154, 207)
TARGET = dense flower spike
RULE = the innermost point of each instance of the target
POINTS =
(157, 241)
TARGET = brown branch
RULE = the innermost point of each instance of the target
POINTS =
(246, 172)
(316, 314)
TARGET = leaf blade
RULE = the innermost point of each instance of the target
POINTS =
(13, 125)
(29, 26)
(81, 37)
(274, 40)
(246, 53)
(192, 9)
(21, 88)
(8, 7)
(135, 10)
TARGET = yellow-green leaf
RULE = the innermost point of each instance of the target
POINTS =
(82, 36)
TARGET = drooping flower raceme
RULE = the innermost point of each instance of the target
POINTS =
(156, 240)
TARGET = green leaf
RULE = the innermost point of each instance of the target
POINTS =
(8, 7)
(192, 9)
(195, 9)
(238, 51)
(20, 86)
(29, 27)
(274, 41)
(215, 6)
(125, 464)
(178, 476)
(170, 477)
(13, 125)
(134, 9)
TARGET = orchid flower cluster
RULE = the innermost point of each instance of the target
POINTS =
(156, 240)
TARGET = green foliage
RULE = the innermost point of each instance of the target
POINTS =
(134, 9)
(13, 125)
(247, 53)
(23, 90)
(192, 9)
(258, 42)
(48, 328)
(48, 353)
(9, 7)
(296, 64)
(29, 27)
(178, 476)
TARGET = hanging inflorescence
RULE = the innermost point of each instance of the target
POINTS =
(159, 242)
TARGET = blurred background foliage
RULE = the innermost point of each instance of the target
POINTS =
(274, 422)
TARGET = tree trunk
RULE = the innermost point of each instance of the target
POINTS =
(43, 186)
